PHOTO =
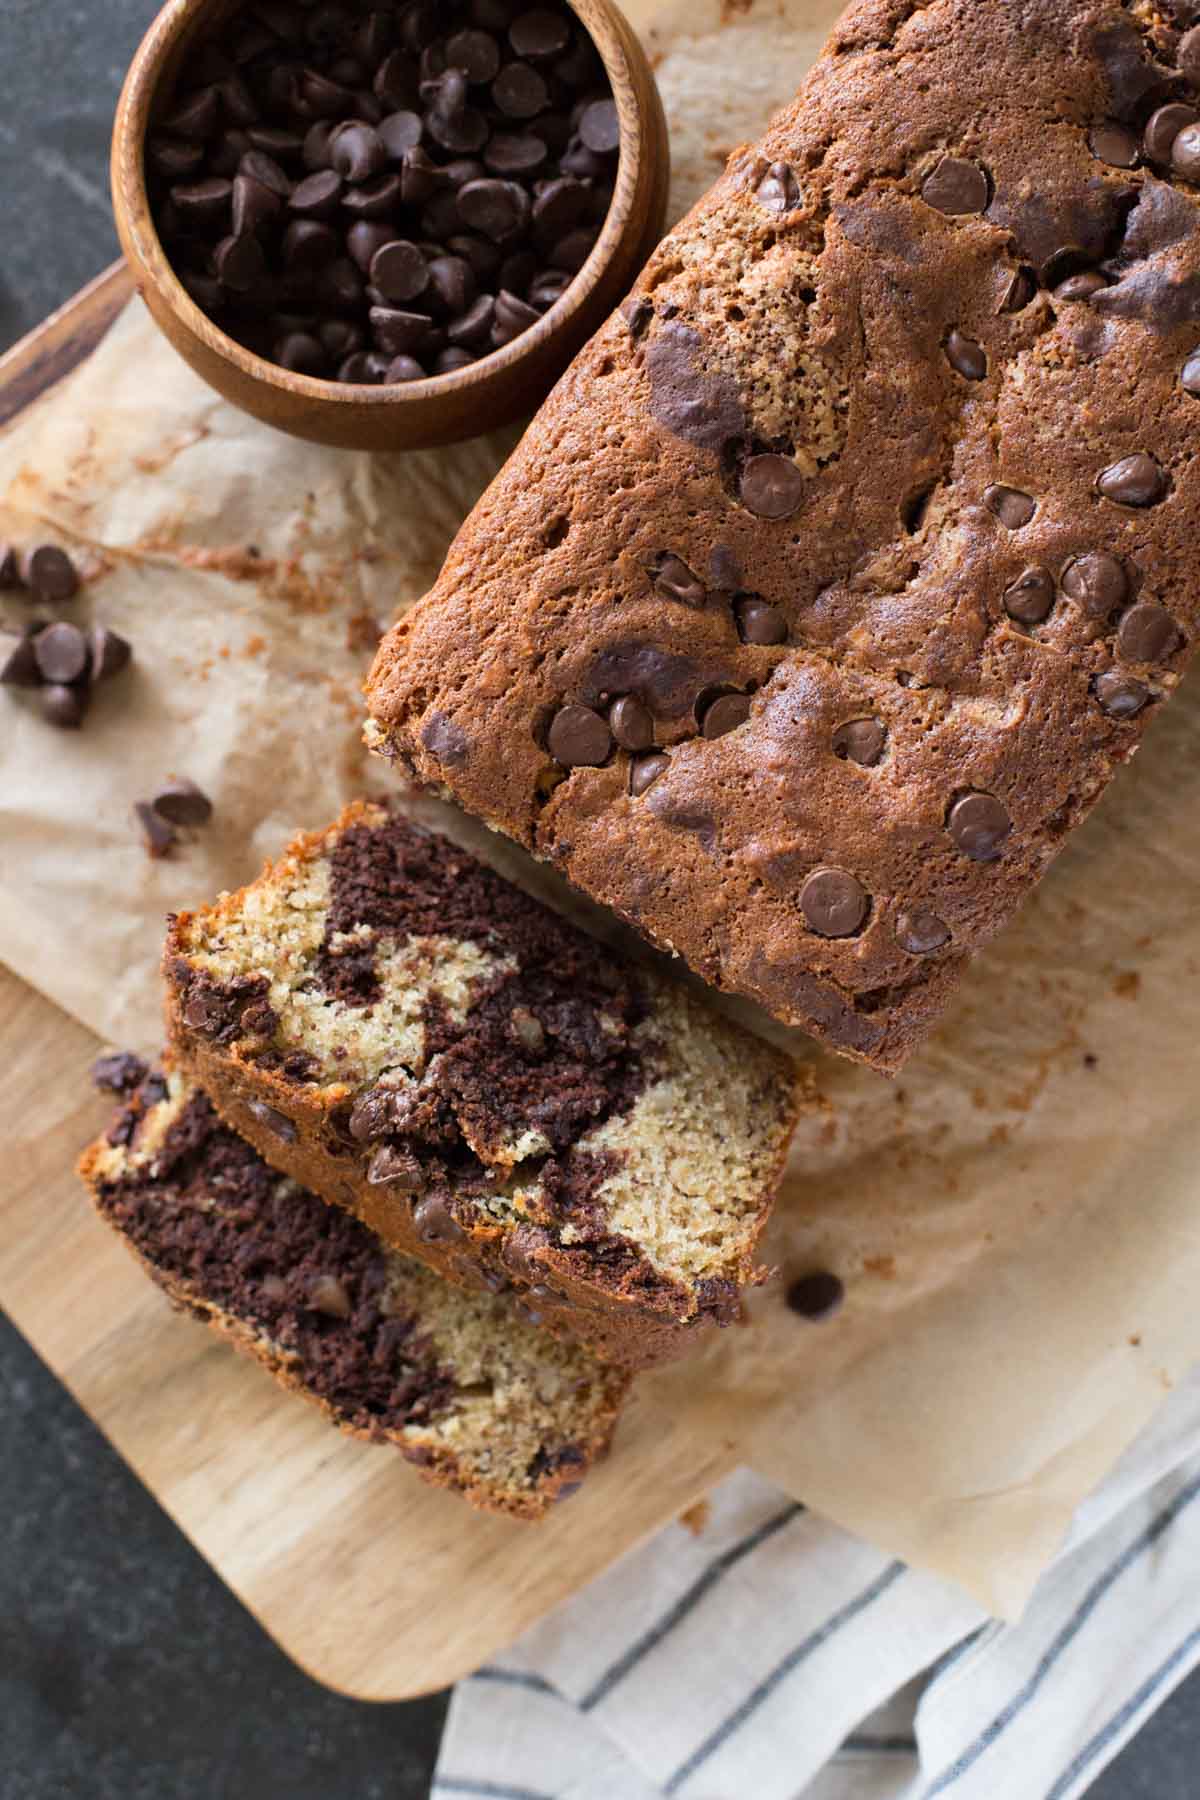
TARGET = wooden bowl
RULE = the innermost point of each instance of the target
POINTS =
(509, 383)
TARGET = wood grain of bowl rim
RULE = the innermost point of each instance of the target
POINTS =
(505, 385)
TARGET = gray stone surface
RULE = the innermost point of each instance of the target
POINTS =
(127, 1671)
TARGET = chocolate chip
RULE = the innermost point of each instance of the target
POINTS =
(357, 152)
(673, 580)
(759, 622)
(1136, 480)
(539, 34)
(966, 357)
(1187, 55)
(50, 573)
(514, 153)
(326, 1294)
(118, 1071)
(1019, 291)
(496, 208)
(404, 368)
(1010, 505)
(445, 740)
(1081, 286)
(64, 706)
(158, 836)
(395, 1168)
(1114, 144)
(979, 824)
(920, 931)
(778, 191)
(860, 741)
(473, 327)
(475, 53)
(61, 651)
(834, 903)
(277, 1123)
(10, 568)
(396, 332)
(637, 313)
(183, 803)
(1030, 597)
(239, 262)
(399, 271)
(1097, 582)
(631, 724)
(1120, 696)
(300, 352)
(1185, 153)
(434, 1222)
(817, 1295)
(771, 486)
(600, 128)
(1163, 127)
(1189, 375)
(196, 117)
(1146, 634)
(579, 737)
(956, 186)
(511, 317)
(520, 92)
(318, 196)
(644, 771)
(725, 714)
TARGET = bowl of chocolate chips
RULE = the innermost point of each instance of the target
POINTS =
(387, 224)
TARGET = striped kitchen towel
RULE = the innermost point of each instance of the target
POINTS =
(762, 1652)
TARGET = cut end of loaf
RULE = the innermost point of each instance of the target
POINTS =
(477, 1398)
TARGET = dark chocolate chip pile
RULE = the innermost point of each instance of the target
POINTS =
(58, 659)
(380, 192)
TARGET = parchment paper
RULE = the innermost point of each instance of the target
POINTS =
(1017, 1217)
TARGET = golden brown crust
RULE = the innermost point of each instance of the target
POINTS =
(948, 295)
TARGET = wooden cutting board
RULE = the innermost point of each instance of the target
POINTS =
(376, 1584)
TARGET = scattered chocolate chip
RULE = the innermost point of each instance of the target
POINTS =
(183, 803)
(644, 771)
(434, 1222)
(778, 190)
(118, 1071)
(631, 724)
(64, 706)
(327, 1294)
(1146, 634)
(979, 824)
(19, 665)
(61, 651)
(920, 931)
(675, 581)
(771, 486)
(277, 1123)
(1010, 505)
(579, 737)
(725, 714)
(834, 903)
(817, 1295)
(1030, 597)
(50, 573)
(1019, 290)
(395, 1168)
(966, 357)
(1114, 144)
(1163, 127)
(759, 622)
(10, 569)
(860, 741)
(1120, 696)
(956, 186)
(159, 837)
(1136, 480)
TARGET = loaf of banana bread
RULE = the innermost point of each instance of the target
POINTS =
(471, 1393)
(829, 587)
(407, 1034)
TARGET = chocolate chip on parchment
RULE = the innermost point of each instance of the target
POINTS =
(64, 706)
(644, 771)
(834, 903)
(978, 824)
(49, 572)
(920, 931)
(1096, 581)
(1012, 507)
(956, 186)
(183, 803)
(61, 650)
(579, 737)
(158, 837)
(1136, 480)
(771, 486)
(817, 1295)
(19, 664)
(1030, 597)
(1120, 696)
(860, 741)
(1146, 634)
